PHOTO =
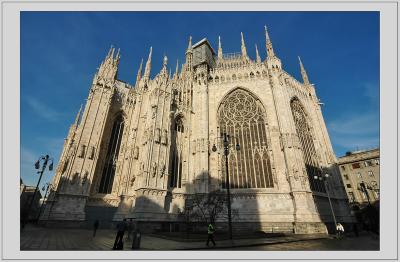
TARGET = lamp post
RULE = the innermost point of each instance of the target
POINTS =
(226, 153)
(44, 198)
(46, 160)
(324, 179)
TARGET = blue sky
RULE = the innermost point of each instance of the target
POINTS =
(60, 52)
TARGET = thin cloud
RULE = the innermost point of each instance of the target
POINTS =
(42, 110)
(356, 131)
(356, 124)
(371, 91)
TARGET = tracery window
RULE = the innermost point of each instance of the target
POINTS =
(241, 115)
(114, 144)
(303, 130)
(176, 154)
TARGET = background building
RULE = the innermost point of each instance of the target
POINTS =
(141, 151)
(26, 194)
(360, 174)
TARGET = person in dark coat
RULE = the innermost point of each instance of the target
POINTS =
(121, 227)
(210, 233)
(95, 227)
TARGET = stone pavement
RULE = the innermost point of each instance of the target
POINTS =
(39, 238)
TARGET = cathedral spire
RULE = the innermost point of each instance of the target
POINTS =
(268, 44)
(258, 58)
(244, 51)
(165, 63)
(303, 73)
(147, 70)
(118, 56)
(190, 44)
(219, 48)
(189, 55)
(109, 67)
(109, 52)
(176, 69)
(139, 73)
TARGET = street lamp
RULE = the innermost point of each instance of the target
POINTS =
(46, 160)
(324, 179)
(226, 153)
(44, 198)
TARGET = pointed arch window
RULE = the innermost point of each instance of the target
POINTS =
(242, 115)
(303, 130)
(176, 162)
(107, 178)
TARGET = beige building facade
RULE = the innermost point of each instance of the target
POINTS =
(140, 151)
(360, 175)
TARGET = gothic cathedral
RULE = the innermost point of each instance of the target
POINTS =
(140, 151)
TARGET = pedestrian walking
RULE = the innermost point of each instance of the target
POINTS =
(210, 233)
(95, 227)
(121, 227)
(339, 230)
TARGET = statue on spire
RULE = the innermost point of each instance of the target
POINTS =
(164, 68)
(303, 73)
(165, 61)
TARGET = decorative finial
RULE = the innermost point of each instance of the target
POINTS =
(109, 51)
(244, 51)
(118, 55)
(176, 69)
(219, 48)
(77, 118)
(148, 65)
(139, 73)
(303, 73)
(190, 43)
(258, 58)
(268, 44)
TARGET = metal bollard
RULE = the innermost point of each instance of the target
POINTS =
(136, 240)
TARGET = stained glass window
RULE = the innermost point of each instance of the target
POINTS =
(114, 144)
(243, 117)
(306, 139)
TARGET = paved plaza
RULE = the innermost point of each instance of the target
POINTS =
(39, 238)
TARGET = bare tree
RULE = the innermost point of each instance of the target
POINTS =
(208, 207)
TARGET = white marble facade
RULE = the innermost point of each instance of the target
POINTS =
(139, 151)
